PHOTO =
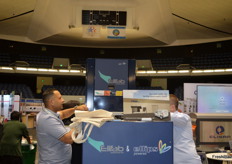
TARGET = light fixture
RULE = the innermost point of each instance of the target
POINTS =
(21, 68)
(52, 70)
(172, 71)
(184, 71)
(162, 72)
(6, 68)
(42, 69)
(75, 71)
(63, 70)
(151, 71)
(208, 70)
(219, 70)
(141, 72)
(197, 71)
(32, 69)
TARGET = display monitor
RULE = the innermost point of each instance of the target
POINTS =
(214, 99)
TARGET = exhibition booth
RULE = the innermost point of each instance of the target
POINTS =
(141, 131)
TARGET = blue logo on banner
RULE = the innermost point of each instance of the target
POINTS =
(220, 130)
(96, 144)
(99, 146)
(163, 148)
(108, 79)
(139, 150)
(104, 77)
(111, 74)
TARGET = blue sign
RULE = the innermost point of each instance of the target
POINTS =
(130, 142)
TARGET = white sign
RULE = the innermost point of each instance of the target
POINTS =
(116, 32)
(145, 101)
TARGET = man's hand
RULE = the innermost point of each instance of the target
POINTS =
(78, 128)
(68, 112)
(82, 107)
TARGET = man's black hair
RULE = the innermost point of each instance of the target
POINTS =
(15, 115)
(47, 94)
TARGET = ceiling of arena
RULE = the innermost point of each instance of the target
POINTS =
(149, 23)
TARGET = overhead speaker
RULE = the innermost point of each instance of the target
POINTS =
(60, 63)
(144, 65)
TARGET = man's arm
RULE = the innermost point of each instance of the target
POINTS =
(180, 119)
(68, 112)
(26, 133)
(28, 140)
(67, 138)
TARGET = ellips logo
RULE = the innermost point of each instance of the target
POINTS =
(162, 147)
(220, 130)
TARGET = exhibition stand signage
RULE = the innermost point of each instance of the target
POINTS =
(130, 142)
(145, 101)
(105, 80)
(8, 104)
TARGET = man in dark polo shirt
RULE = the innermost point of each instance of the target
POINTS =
(10, 144)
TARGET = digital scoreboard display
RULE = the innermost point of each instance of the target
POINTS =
(103, 17)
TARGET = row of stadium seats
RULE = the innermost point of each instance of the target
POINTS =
(201, 61)
(18, 89)
(67, 90)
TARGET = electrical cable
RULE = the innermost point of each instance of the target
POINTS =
(202, 25)
(16, 16)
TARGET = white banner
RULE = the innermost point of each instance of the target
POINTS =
(146, 101)
(116, 32)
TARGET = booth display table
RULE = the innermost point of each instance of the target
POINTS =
(130, 142)
(220, 157)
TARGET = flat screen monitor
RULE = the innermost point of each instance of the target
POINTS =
(214, 99)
